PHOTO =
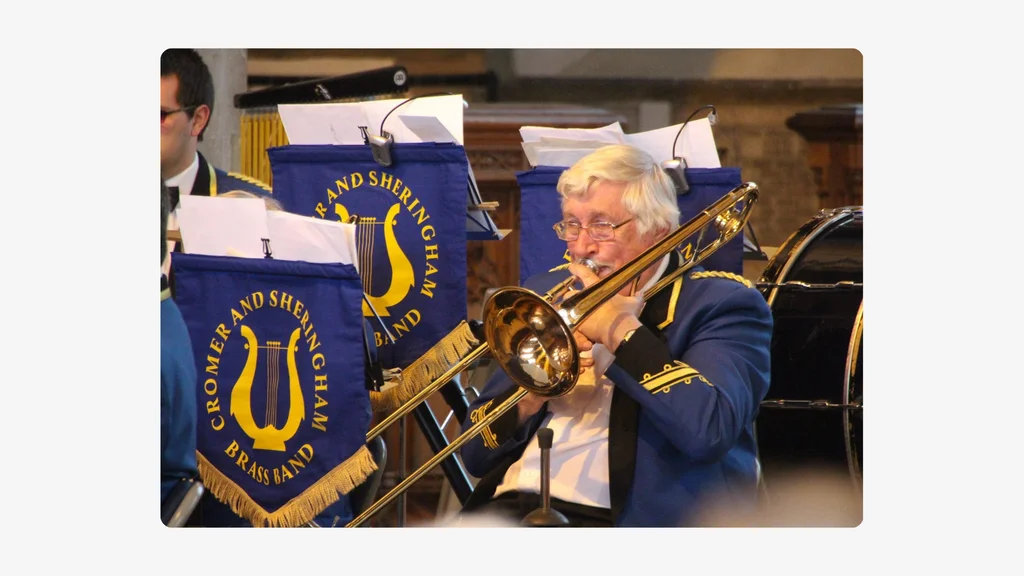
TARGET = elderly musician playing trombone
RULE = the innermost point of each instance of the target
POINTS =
(660, 423)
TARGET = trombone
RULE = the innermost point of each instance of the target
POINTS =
(532, 339)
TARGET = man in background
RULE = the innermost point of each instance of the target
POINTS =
(186, 106)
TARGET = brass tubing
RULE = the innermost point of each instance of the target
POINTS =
(425, 393)
(404, 484)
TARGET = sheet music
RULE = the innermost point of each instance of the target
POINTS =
(339, 122)
(560, 156)
(447, 109)
(308, 239)
(219, 226)
(427, 129)
(566, 146)
(214, 225)
(325, 123)
(696, 144)
(610, 134)
(547, 145)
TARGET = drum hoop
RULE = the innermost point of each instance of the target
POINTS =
(851, 453)
(853, 351)
(798, 242)
(851, 362)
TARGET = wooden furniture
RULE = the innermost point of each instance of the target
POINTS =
(835, 153)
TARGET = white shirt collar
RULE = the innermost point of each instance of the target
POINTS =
(186, 179)
(657, 274)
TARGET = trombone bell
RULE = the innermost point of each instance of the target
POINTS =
(531, 343)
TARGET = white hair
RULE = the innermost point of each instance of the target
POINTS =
(649, 194)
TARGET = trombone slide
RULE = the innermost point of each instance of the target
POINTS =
(462, 439)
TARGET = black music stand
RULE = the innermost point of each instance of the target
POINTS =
(545, 516)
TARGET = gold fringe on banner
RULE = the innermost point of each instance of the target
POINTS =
(299, 510)
(425, 369)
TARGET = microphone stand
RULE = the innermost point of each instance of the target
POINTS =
(545, 516)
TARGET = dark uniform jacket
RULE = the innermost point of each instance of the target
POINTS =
(687, 390)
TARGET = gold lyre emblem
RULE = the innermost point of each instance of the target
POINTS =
(402, 278)
(268, 437)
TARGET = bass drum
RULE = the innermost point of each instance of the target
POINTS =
(811, 419)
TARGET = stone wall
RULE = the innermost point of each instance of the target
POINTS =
(751, 131)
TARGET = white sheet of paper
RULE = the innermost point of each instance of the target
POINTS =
(531, 148)
(448, 109)
(696, 144)
(550, 142)
(218, 226)
(560, 156)
(339, 122)
(611, 133)
(326, 123)
(308, 239)
(427, 128)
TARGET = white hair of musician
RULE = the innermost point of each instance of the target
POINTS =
(649, 193)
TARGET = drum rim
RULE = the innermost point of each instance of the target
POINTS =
(852, 462)
(798, 242)
(851, 361)
(853, 351)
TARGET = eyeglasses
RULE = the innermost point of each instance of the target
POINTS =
(165, 113)
(598, 230)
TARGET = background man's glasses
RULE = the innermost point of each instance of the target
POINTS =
(165, 113)
(598, 230)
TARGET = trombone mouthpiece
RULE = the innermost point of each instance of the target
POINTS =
(589, 264)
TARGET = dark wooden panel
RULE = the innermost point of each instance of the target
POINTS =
(835, 152)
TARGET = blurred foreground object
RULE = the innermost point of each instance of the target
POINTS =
(809, 497)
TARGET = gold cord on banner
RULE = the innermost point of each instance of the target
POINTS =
(299, 510)
(425, 369)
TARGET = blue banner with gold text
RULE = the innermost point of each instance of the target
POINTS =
(411, 231)
(283, 410)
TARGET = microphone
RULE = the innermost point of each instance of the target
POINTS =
(676, 166)
(380, 146)
(545, 516)
(675, 170)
